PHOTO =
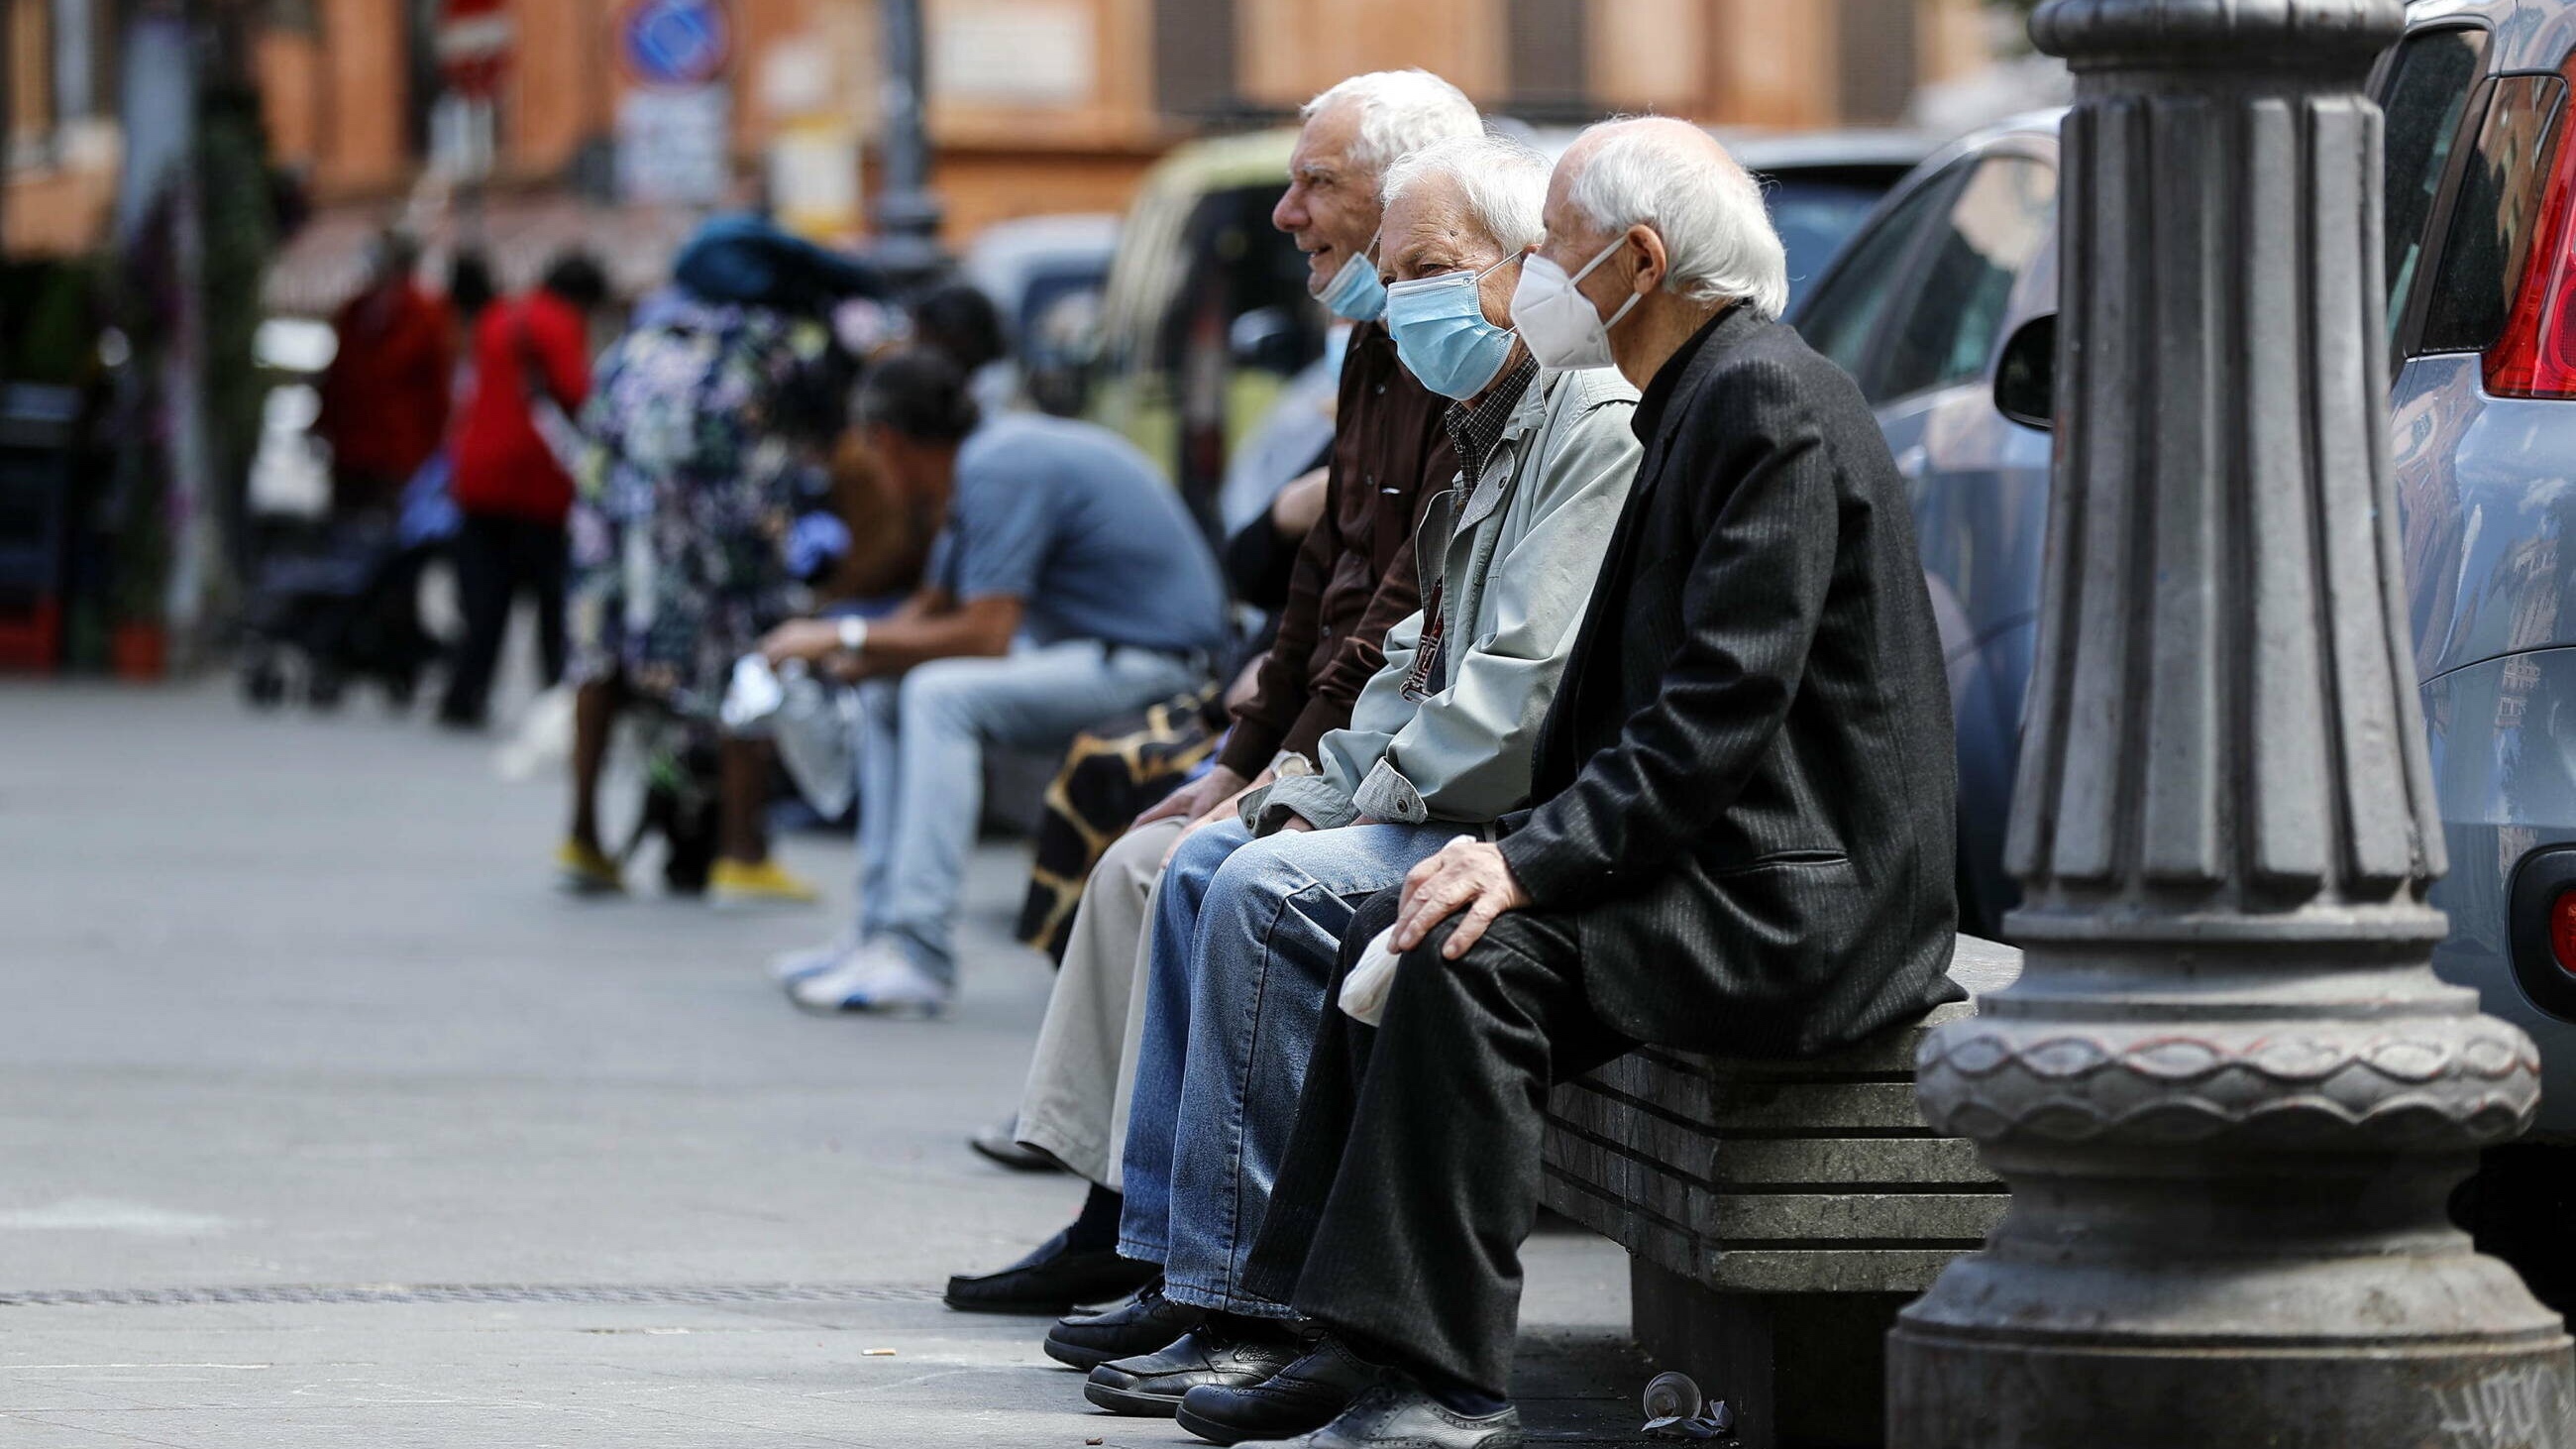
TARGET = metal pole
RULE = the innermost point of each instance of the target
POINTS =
(908, 213)
(2229, 1095)
(8, 107)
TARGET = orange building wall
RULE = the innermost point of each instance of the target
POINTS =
(561, 87)
(287, 67)
(1287, 50)
(981, 187)
(335, 99)
(1770, 64)
(55, 213)
(363, 89)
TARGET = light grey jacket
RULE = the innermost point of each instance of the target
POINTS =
(1516, 561)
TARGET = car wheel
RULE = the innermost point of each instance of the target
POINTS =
(2518, 1207)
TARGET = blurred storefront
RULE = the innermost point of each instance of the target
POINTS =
(1035, 106)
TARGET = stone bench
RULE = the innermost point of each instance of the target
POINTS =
(1777, 1214)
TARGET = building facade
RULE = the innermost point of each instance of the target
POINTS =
(1035, 105)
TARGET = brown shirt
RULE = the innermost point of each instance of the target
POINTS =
(1355, 577)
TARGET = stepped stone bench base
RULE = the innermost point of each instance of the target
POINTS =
(1777, 1214)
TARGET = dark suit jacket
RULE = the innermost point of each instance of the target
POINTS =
(1747, 776)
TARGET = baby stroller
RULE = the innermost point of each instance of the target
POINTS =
(338, 600)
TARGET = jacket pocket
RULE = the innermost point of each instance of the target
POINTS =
(1783, 858)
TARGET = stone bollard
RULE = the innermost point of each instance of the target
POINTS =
(2228, 1094)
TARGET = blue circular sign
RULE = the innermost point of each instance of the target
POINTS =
(675, 42)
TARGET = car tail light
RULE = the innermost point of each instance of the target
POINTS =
(2536, 356)
(2562, 931)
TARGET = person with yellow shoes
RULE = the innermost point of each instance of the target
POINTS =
(704, 436)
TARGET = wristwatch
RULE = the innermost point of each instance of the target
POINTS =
(854, 634)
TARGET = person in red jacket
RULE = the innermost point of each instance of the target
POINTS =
(385, 394)
(531, 374)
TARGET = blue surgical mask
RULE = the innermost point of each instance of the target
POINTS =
(1355, 292)
(1442, 335)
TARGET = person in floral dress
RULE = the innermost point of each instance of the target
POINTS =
(706, 431)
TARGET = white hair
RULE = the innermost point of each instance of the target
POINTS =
(1504, 182)
(1717, 235)
(1401, 111)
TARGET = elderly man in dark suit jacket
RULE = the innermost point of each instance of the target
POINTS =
(1745, 840)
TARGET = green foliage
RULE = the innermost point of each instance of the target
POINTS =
(241, 235)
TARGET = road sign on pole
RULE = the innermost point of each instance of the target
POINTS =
(474, 41)
(674, 44)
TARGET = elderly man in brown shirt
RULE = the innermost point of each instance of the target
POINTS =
(1355, 578)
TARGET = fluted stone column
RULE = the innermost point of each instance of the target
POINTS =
(2228, 1093)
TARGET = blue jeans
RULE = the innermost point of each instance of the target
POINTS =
(1245, 935)
(921, 767)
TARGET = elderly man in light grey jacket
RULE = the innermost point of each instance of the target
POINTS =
(1439, 744)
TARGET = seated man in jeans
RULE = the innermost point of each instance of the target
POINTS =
(1743, 836)
(1069, 585)
(1246, 931)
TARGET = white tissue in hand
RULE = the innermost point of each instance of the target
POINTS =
(753, 695)
(1364, 991)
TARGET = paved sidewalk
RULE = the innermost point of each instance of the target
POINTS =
(324, 1123)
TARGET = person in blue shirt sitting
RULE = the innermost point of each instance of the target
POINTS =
(1068, 584)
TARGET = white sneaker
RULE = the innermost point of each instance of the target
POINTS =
(790, 967)
(877, 977)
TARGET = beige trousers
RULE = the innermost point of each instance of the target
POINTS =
(1084, 1070)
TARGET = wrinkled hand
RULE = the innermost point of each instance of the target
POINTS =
(801, 639)
(1467, 875)
(1193, 799)
(1296, 823)
(1224, 810)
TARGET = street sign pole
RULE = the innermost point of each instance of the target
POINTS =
(907, 211)
(2229, 1094)
(475, 40)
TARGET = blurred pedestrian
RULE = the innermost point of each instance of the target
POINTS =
(512, 484)
(385, 394)
(710, 436)
(957, 321)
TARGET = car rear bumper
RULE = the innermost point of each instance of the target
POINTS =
(2503, 736)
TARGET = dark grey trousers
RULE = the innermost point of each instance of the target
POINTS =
(1413, 1174)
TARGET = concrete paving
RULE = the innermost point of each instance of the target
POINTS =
(323, 1122)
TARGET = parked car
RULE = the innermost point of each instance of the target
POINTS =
(1943, 308)
(1916, 308)
(1045, 275)
(1206, 315)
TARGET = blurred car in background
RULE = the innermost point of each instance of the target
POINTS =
(1944, 309)
(1206, 316)
(1045, 274)
(1960, 255)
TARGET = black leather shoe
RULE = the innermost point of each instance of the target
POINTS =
(1141, 1325)
(1398, 1414)
(1150, 1386)
(1000, 1143)
(1299, 1399)
(1051, 1282)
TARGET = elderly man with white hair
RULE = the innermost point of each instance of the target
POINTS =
(1249, 920)
(1355, 578)
(1742, 841)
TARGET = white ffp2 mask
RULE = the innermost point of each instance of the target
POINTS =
(1558, 323)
